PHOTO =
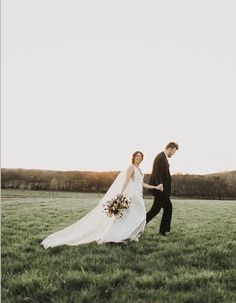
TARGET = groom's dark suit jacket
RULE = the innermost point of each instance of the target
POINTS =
(161, 174)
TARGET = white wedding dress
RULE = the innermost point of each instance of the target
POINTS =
(97, 226)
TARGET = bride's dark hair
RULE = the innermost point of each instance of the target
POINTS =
(135, 154)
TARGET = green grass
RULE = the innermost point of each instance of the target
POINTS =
(195, 264)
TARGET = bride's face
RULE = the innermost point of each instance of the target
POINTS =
(138, 158)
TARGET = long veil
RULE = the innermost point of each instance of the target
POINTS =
(94, 225)
(116, 187)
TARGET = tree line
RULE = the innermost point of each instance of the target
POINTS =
(211, 186)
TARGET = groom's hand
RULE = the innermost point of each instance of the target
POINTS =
(160, 187)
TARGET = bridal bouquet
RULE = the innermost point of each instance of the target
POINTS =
(116, 206)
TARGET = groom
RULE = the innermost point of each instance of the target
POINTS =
(161, 175)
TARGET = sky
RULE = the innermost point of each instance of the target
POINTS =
(87, 83)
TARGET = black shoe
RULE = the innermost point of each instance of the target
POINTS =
(163, 234)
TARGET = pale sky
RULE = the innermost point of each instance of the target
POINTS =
(87, 83)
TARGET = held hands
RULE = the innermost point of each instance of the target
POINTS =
(159, 187)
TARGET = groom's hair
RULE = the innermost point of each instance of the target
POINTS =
(172, 145)
(135, 154)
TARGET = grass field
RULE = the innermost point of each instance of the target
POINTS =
(197, 263)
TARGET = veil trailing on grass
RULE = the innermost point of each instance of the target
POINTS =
(93, 226)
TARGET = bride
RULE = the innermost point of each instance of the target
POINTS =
(98, 226)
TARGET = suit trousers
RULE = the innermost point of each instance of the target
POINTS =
(158, 203)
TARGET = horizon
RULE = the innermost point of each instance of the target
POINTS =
(114, 171)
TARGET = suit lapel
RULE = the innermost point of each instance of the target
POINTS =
(167, 162)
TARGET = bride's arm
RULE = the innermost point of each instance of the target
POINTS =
(129, 175)
(158, 187)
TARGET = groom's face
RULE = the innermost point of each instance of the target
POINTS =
(171, 151)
